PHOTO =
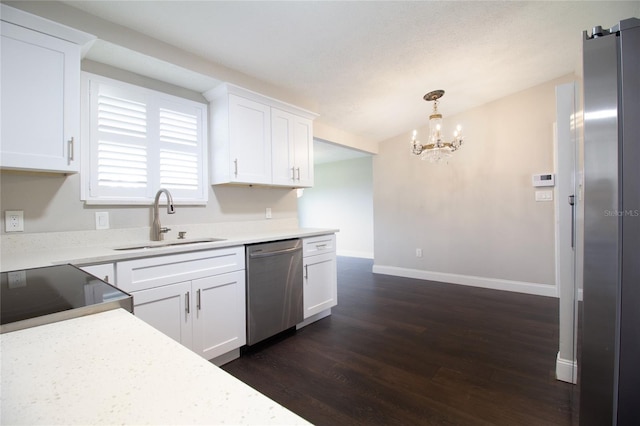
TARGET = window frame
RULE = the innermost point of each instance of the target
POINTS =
(154, 101)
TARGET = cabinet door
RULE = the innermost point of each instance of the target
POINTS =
(292, 149)
(282, 149)
(302, 142)
(40, 101)
(168, 309)
(219, 314)
(249, 141)
(320, 283)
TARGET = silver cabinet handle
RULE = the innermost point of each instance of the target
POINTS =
(71, 154)
(298, 170)
(187, 307)
(235, 165)
(321, 246)
(306, 271)
(293, 173)
(199, 305)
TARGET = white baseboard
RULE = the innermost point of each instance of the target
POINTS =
(492, 283)
(566, 370)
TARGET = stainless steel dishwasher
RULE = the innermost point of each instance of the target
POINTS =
(274, 288)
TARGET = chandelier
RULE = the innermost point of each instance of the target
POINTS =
(436, 149)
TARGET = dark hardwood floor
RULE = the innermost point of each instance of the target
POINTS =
(402, 351)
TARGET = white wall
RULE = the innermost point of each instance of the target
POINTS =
(51, 203)
(475, 218)
(342, 197)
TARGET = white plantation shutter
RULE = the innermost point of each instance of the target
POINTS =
(179, 161)
(140, 141)
(122, 142)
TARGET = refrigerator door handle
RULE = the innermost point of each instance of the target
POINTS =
(572, 203)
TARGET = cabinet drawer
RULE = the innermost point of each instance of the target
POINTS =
(150, 272)
(318, 245)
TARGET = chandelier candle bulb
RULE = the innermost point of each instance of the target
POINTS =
(436, 150)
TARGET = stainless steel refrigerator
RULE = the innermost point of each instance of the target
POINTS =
(609, 362)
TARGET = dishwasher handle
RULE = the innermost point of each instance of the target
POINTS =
(259, 254)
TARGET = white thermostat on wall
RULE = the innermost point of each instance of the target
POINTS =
(544, 179)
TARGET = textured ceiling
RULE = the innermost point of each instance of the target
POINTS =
(368, 64)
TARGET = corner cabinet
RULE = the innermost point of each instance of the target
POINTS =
(257, 140)
(40, 69)
(196, 298)
(320, 288)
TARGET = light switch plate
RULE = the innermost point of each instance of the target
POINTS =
(544, 195)
(102, 220)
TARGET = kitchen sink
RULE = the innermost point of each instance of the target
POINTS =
(160, 244)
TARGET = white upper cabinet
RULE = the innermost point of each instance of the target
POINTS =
(40, 94)
(292, 147)
(257, 140)
(249, 159)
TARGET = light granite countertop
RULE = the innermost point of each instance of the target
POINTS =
(92, 247)
(112, 368)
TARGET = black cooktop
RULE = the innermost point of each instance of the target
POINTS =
(38, 296)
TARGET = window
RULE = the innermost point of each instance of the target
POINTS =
(139, 140)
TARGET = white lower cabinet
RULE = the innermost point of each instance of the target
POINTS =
(217, 328)
(320, 275)
(196, 298)
(166, 309)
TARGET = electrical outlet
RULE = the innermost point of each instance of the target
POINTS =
(16, 279)
(418, 252)
(268, 213)
(14, 221)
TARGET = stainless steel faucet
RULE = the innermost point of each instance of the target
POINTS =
(157, 232)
